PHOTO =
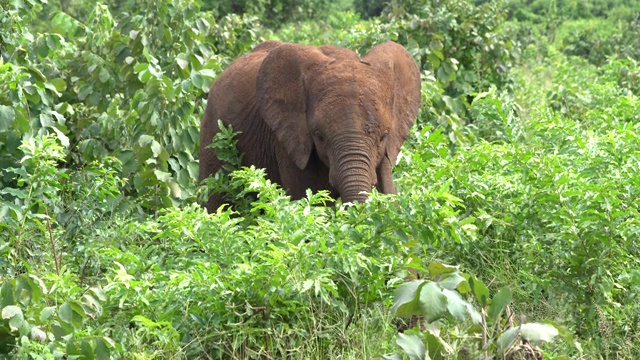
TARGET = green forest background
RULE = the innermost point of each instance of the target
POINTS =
(518, 205)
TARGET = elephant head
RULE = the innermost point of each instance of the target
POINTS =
(353, 112)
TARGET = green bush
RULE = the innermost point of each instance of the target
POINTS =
(490, 332)
(104, 253)
(130, 86)
(598, 40)
(276, 12)
(539, 10)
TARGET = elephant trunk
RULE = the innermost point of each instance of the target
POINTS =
(354, 173)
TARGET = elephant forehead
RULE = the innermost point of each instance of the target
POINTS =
(352, 80)
(353, 110)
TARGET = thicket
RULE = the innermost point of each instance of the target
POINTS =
(523, 168)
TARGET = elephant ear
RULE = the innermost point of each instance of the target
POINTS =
(395, 62)
(282, 96)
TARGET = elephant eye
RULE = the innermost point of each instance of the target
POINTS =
(384, 135)
(319, 136)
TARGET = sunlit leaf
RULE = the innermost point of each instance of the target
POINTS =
(499, 303)
(538, 332)
(407, 299)
(412, 346)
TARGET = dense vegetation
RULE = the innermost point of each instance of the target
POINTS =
(522, 170)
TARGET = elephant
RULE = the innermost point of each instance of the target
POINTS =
(315, 117)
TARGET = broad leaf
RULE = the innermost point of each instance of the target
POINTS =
(412, 346)
(38, 335)
(407, 299)
(499, 303)
(7, 114)
(460, 308)
(15, 316)
(451, 281)
(65, 312)
(480, 291)
(433, 302)
(437, 268)
(45, 314)
(507, 339)
(101, 349)
(538, 332)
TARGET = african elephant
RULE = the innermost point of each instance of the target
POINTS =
(315, 117)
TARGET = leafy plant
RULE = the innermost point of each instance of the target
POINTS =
(31, 329)
(490, 334)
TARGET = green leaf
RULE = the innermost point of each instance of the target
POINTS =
(436, 45)
(182, 60)
(144, 76)
(38, 335)
(10, 311)
(451, 281)
(7, 115)
(390, 357)
(104, 75)
(45, 314)
(193, 169)
(437, 268)
(86, 350)
(64, 140)
(162, 175)
(66, 313)
(59, 84)
(412, 346)
(72, 349)
(140, 67)
(407, 299)
(197, 80)
(101, 349)
(434, 61)
(436, 346)
(433, 303)
(92, 303)
(499, 303)
(156, 148)
(15, 316)
(6, 294)
(480, 291)
(507, 339)
(456, 306)
(84, 91)
(99, 293)
(538, 332)
(25, 290)
(144, 140)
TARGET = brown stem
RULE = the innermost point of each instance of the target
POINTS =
(15, 257)
(56, 260)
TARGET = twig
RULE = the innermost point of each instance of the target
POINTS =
(53, 245)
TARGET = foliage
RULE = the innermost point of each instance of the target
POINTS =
(489, 333)
(129, 87)
(462, 49)
(539, 10)
(458, 42)
(526, 174)
(369, 8)
(31, 329)
(614, 96)
(275, 12)
(597, 40)
(325, 285)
